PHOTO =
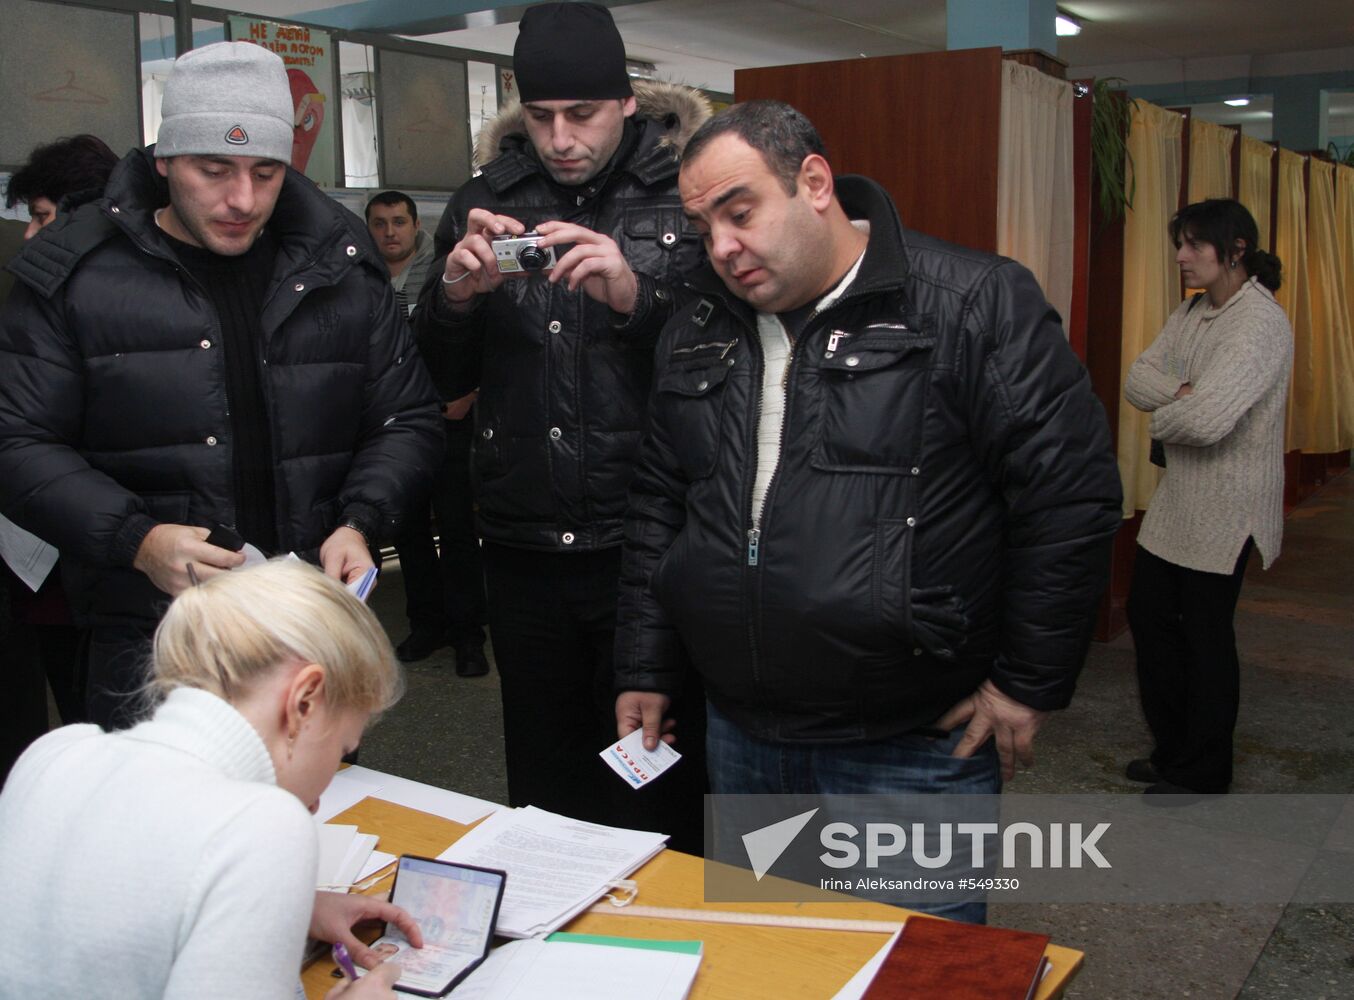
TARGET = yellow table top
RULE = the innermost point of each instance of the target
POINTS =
(741, 962)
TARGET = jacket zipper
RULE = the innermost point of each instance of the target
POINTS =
(754, 533)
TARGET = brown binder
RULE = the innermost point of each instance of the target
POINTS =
(944, 960)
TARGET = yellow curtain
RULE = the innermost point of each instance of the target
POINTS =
(1210, 160)
(1290, 245)
(1330, 417)
(1344, 233)
(1035, 210)
(1151, 279)
(1254, 185)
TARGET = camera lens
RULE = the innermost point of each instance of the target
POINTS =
(531, 258)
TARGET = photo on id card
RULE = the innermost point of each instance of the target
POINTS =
(456, 908)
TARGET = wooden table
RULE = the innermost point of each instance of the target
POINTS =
(740, 962)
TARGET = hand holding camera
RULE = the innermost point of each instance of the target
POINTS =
(594, 264)
(471, 268)
(499, 246)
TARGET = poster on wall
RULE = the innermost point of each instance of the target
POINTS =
(424, 120)
(308, 55)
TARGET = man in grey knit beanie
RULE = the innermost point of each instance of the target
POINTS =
(207, 356)
(227, 111)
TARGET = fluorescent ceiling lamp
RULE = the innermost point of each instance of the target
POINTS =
(1064, 26)
(1237, 102)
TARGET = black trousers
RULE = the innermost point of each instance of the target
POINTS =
(553, 621)
(37, 655)
(117, 672)
(1189, 676)
(446, 591)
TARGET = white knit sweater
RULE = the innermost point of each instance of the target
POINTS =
(1224, 442)
(162, 861)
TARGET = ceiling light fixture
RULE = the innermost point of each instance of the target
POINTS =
(1237, 102)
(1065, 25)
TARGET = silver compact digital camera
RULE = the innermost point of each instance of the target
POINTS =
(521, 254)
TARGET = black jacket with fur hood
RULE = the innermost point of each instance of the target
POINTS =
(563, 382)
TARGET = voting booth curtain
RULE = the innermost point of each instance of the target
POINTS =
(1255, 184)
(1330, 410)
(1210, 160)
(1035, 212)
(1151, 278)
(1290, 244)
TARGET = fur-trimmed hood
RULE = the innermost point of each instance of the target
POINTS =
(680, 108)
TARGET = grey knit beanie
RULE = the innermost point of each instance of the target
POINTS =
(227, 99)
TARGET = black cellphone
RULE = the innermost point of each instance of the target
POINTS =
(225, 538)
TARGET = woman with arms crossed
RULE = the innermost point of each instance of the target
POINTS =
(1215, 381)
(177, 859)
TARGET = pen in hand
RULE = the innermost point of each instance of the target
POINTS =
(344, 960)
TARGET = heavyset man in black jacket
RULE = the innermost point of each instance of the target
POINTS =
(876, 497)
(213, 342)
(563, 361)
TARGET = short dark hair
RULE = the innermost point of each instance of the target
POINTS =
(57, 169)
(392, 198)
(1221, 222)
(781, 134)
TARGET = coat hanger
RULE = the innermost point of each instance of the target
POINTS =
(70, 93)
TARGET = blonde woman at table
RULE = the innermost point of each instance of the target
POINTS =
(177, 859)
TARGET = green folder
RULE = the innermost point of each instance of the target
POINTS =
(681, 947)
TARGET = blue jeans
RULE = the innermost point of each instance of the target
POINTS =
(740, 764)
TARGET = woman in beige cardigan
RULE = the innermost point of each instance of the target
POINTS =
(1215, 381)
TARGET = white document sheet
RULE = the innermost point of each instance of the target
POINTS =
(28, 555)
(414, 794)
(556, 866)
(535, 968)
(347, 790)
(377, 861)
(343, 853)
(857, 985)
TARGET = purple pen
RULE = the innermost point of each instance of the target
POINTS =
(344, 960)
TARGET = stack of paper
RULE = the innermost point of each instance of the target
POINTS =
(585, 967)
(557, 867)
(344, 853)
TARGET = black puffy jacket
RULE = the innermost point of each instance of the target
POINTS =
(942, 512)
(562, 382)
(113, 409)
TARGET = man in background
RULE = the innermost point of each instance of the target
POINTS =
(563, 363)
(392, 220)
(443, 580)
(208, 355)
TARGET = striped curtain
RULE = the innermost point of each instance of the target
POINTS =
(1151, 279)
(1210, 160)
(1290, 244)
(1254, 184)
(1330, 416)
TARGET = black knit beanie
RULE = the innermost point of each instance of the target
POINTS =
(569, 52)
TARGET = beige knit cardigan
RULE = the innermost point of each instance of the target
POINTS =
(1225, 441)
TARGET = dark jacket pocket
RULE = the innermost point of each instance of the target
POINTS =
(691, 392)
(873, 390)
